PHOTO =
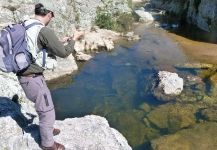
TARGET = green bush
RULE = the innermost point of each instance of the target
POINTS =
(104, 20)
(119, 22)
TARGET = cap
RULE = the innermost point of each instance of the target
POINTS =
(49, 5)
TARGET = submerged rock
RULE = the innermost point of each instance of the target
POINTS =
(210, 114)
(194, 66)
(172, 117)
(202, 136)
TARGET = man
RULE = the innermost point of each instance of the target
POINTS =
(31, 79)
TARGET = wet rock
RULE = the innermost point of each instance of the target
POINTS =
(130, 36)
(172, 117)
(145, 107)
(82, 57)
(202, 136)
(130, 125)
(210, 114)
(194, 66)
(170, 85)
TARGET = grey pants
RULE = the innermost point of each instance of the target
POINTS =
(37, 91)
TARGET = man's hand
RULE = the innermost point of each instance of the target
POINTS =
(78, 35)
(65, 39)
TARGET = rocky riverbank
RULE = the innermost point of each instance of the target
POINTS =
(201, 13)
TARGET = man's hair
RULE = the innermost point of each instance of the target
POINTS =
(41, 10)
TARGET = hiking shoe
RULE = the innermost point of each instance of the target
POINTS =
(56, 146)
(56, 131)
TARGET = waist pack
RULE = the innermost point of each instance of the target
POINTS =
(14, 54)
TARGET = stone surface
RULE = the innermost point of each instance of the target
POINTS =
(170, 85)
(144, 16)
(65, 66)
(173, 117)
(82, 57)
(19, 131)
(69, 14)
(170, 82)
(199, 12)
(200, 137)
(96, 39)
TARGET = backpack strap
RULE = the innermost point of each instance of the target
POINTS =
(43, 57)
(31, 25)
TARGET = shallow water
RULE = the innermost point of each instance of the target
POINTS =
(118, 86)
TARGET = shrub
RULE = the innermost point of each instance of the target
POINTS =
(119, 22)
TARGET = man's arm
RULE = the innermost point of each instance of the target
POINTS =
(48, 40)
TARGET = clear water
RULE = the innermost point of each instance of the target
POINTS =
(118, 85)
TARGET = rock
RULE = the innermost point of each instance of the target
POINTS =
(9, 86)
(170, 82)
(201, 13)
(65, 66)
(145, 107)
(144, 16)
(170, 85)
(210, 114)
(9, 129)
(173, 117)
(68, 13)
(96, 39)
(90, 132)
(82, 57)
(194, 66)
(131, 36)
(200, 137)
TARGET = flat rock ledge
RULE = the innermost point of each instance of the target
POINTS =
(17, 132)
(86, 133)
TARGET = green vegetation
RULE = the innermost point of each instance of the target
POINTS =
(118, 22)
(130, 3)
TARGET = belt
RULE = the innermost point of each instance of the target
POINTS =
(33, 75)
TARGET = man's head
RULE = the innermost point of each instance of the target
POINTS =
(45, 14)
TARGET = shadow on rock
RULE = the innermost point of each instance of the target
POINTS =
(10, 109)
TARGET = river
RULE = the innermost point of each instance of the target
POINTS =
(118, 85)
